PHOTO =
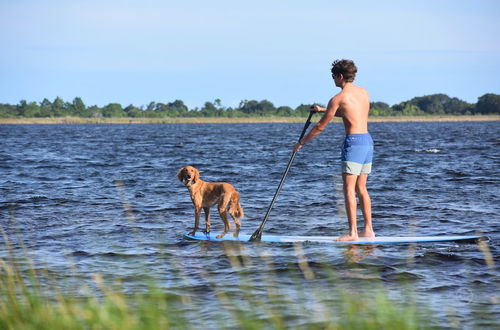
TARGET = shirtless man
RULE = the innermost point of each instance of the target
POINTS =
(352, 104)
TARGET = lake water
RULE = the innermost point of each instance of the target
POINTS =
(87, 199)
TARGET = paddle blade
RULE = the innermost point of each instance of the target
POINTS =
(256, 236)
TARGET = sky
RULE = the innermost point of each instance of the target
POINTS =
(136, 52)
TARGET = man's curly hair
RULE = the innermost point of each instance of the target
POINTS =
(345, 67)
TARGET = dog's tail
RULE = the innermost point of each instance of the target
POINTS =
(235, 209)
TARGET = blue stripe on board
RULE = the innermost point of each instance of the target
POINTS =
(332, 239)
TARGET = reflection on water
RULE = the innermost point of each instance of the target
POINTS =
(356, 253)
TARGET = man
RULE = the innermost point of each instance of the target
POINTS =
(352, 104)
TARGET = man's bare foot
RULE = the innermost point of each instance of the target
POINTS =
(368, 234)
(347, 238)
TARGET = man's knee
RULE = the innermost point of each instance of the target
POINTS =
(360, 186)
(349, 187)
(349, 191)
(362, 191)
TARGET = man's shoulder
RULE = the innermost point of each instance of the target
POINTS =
(364, 90)
(347, 93)
(339, 95)
(355, 91)
(337, 98)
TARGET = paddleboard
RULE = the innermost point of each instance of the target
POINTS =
(333, 239)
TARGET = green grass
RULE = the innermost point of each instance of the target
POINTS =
(300, 297)
(315, 297)
(31, 300)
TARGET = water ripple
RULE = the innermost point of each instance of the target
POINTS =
(105, 199)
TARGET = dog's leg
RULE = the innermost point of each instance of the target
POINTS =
(197, 212)
(236, 211)
(238, 226)
(223, 215)
(207, 219)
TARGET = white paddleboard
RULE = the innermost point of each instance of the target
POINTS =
(333, 239)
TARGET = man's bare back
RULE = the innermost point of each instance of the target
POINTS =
(354, 104)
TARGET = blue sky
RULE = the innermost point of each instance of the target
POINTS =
(135, 52)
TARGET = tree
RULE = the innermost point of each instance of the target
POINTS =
(94, 112)
(9, 111)
(436, 104)
(45, 109)
(218, 104)
(78, 108)
(28, 110)
(379, 106)
(488, 104)
(253, 107)
(411, 110)
(133, 111)
(303, 110)
(284, 111)
(176, 109)
(113, 110)
(380, 109)
(151, 106)
(214, 109)
(58, 107)
(209, 110)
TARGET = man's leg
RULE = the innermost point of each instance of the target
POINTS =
(366, 205)
(350, 206)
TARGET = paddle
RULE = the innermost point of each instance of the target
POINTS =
(257, 235)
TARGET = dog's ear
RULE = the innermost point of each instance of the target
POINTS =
(179, 175)
(196, 175)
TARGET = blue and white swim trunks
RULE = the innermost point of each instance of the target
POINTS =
(357, 154)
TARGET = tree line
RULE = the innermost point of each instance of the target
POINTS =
(435, 104)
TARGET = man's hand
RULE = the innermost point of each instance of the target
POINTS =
(316, 108)
(297, 147)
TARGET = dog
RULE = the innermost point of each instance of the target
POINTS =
(206, 194)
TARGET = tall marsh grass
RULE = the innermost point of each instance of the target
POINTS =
(30, 299)
(299, 295)
(302, 295)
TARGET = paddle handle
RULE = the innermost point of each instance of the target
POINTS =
(257, 235)
(306, 126)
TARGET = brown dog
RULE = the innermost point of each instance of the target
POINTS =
(206, 194)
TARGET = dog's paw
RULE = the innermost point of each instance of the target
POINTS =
(206, 232)
(220, 235)
(192, 233)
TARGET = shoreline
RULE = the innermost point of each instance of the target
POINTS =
(236, 120)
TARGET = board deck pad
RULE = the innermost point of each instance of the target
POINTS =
(332, 239)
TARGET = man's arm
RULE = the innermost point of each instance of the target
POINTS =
(317, 108)
(330, 110)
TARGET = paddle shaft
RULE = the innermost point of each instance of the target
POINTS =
(257, 235)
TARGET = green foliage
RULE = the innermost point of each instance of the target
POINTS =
(488, 104)
(436, 104)
(113, 110)
(78, 108)
(45, 109)
(303, 110)
(133, 111)
(379, 106)
(9, 111)
(32, 300)
(257, 108)
(58, 107)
